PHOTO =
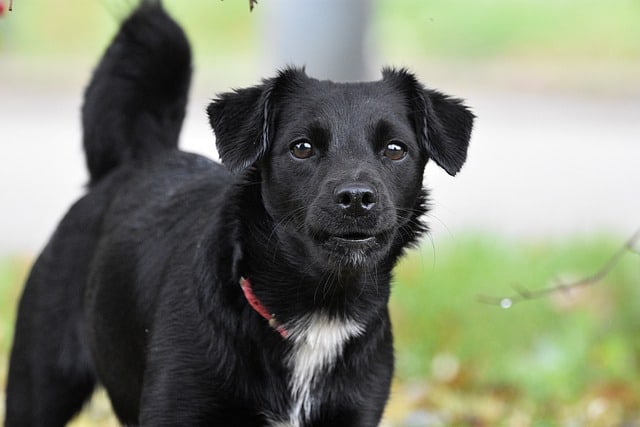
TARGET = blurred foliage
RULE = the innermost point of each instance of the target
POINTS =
(566, 29)
(538, 357)
(42, 27)
(571, 359)
(573, 29)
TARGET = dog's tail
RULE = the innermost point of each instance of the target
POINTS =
(135, 103)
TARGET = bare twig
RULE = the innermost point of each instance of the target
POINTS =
(252, 3)
(524, 294)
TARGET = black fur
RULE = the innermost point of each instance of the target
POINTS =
(138, 287)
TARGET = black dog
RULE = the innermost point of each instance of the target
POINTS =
(254, 295)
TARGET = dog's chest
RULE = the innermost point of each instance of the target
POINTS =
(318, 342)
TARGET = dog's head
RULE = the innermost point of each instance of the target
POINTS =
(341, 163)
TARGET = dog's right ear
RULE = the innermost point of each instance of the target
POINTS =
(243, 120)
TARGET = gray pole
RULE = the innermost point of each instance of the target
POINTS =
(329, 37)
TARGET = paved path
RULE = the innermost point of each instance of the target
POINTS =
(546, 165)
(538, 166)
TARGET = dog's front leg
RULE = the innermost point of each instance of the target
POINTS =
(177, 401)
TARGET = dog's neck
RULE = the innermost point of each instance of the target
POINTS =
(288, 294)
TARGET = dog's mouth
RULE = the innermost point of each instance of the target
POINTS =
(353, 249)
(346, 238)
(353, 238)
(365, 243)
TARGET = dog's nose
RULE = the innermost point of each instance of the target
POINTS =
(356, 199)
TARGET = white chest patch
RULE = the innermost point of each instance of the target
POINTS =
(318, 341)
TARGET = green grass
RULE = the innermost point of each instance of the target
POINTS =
(547, 352)
(12, 273)
(550, 361)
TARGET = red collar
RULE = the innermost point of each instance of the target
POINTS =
(255, 303)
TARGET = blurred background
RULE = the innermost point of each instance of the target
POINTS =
(551, 188)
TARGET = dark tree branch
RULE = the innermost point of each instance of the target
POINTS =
(524, 294)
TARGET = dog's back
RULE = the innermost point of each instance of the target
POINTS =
(132, 114)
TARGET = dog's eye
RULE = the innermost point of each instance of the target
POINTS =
(301, 149)
(395, 150)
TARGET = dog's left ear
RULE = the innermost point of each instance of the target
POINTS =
(443, 124)
(243, 120)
